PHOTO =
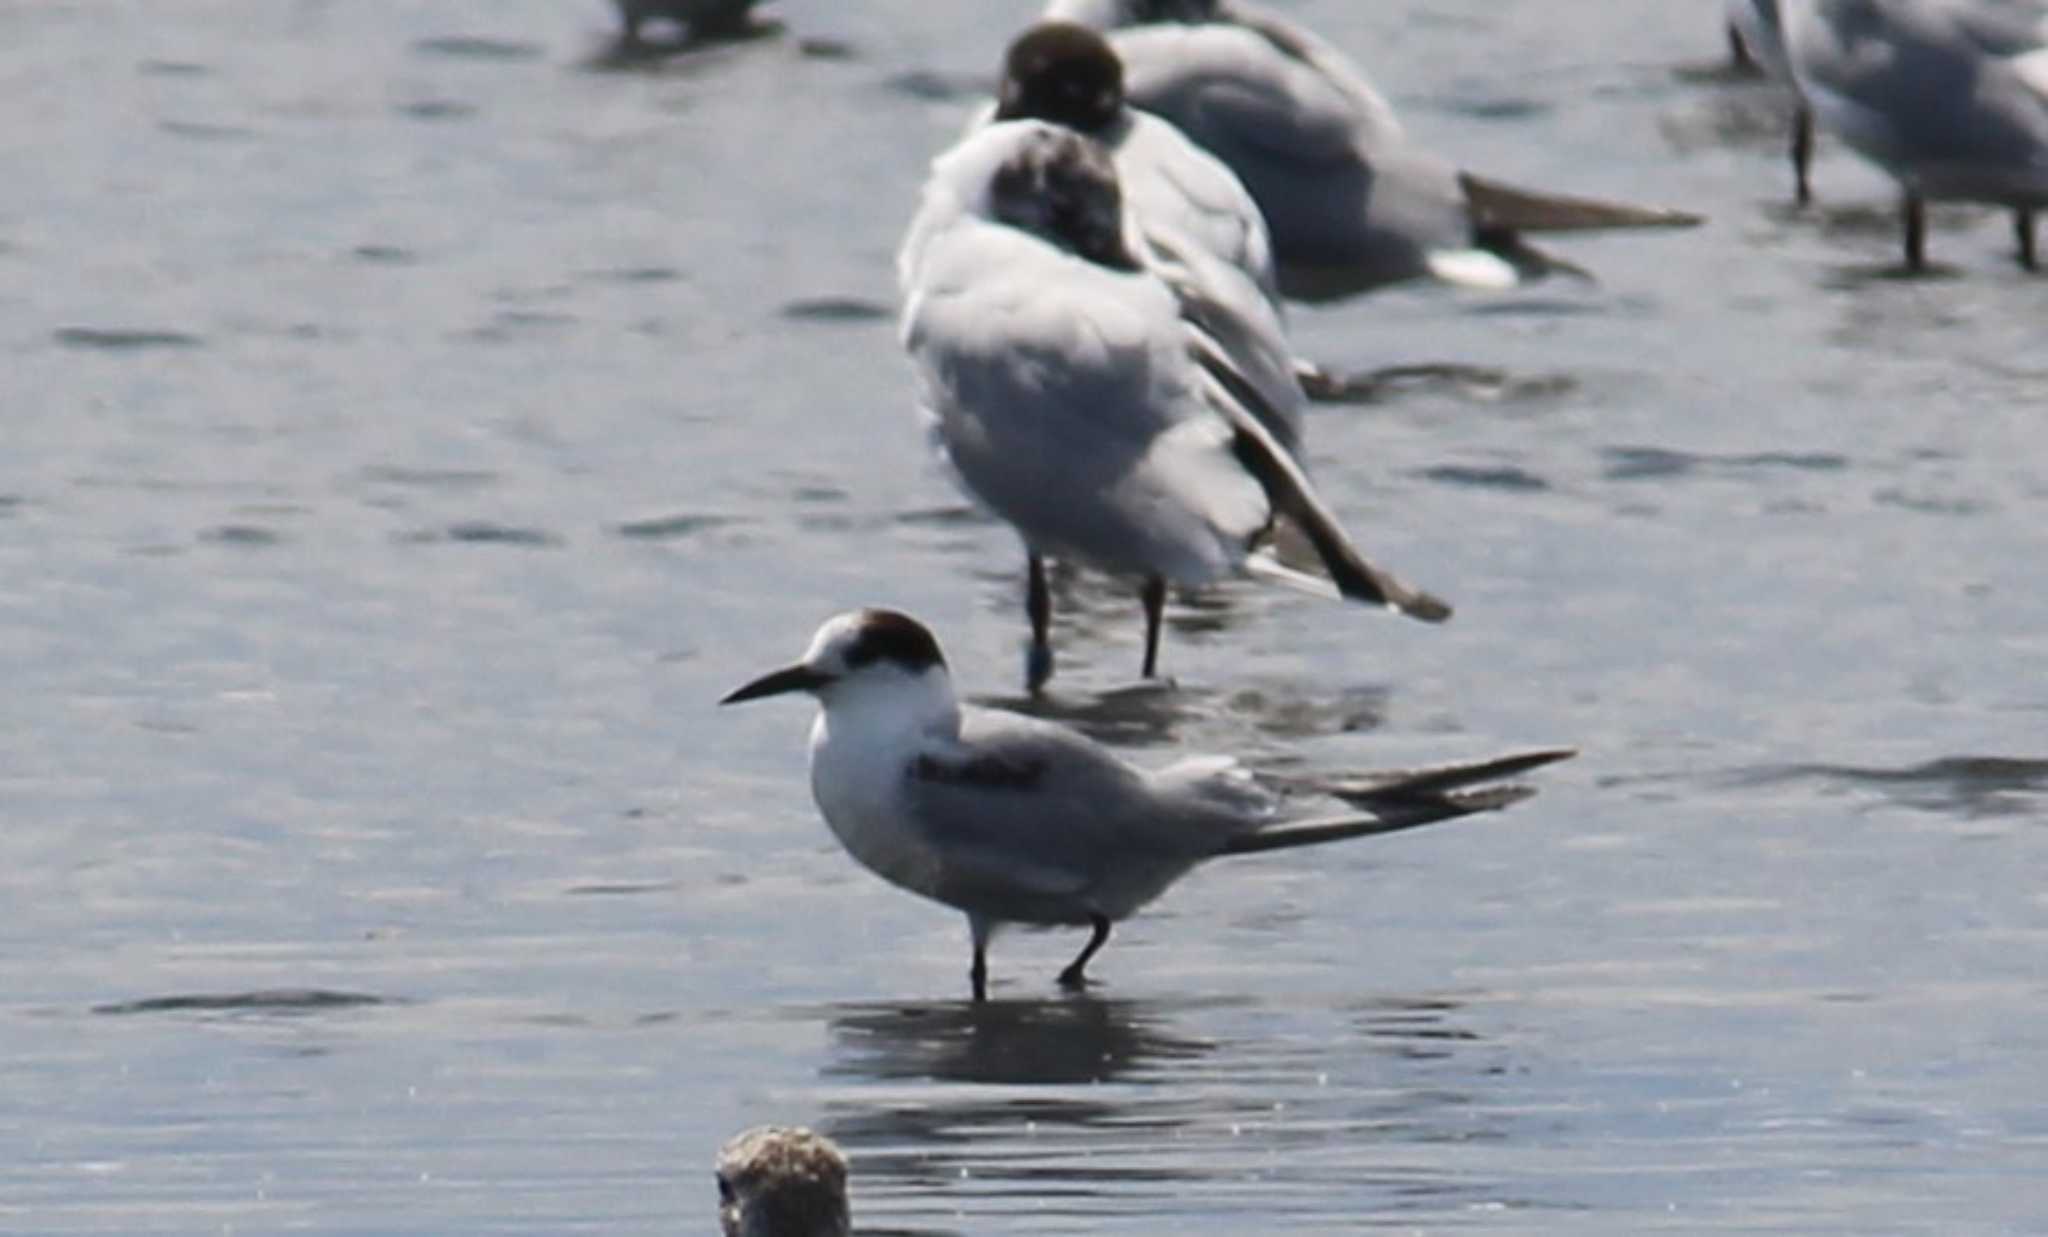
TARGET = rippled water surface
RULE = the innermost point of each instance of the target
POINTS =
(416, 417)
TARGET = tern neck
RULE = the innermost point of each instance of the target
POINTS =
(893, 704)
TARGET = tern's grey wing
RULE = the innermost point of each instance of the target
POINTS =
(1028, 809)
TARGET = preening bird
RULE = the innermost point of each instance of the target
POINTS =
(1071, 395)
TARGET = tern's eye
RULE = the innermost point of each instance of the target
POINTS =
(724, 1190)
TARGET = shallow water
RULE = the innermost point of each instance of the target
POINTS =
(416, 420)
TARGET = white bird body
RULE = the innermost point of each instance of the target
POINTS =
(1350, 202)
(1073, 392)
(1191, 222)
(1011, 819)
(1035, 364)
(1948, 97)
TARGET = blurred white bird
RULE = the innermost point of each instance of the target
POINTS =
(1011, 819)
(1948, 96)
(700, 18)
(782, 1181)
(1350, 202)
(1071, 396)
(1756, 30)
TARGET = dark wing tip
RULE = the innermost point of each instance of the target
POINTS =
(1427, 607)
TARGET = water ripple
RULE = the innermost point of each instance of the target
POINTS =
(117, 339)
(1633, 463)
(277, 1001)
(474, 47)
(1972, 786)
(836, 309)
(674, 527)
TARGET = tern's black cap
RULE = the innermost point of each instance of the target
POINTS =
(893, 636)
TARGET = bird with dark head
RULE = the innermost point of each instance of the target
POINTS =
(1016, 820)
(1063, 73)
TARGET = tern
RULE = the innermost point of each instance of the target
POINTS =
(1351, 202)
(782, 1181)
(1070, 393)
(1947, 96)
(1016, 820)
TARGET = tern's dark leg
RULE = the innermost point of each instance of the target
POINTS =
(2023, 231)
(1915, 212)
(1038, 606)
(1154, 597)
(1802, 154)
(1072, 977)
(980, 929)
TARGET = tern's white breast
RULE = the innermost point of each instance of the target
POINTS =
(859, 760)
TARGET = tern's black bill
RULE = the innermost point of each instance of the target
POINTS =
(779, 682)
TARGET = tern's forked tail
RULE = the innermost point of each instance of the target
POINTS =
(1404, 799)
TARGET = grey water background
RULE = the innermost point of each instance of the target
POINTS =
(413, 423)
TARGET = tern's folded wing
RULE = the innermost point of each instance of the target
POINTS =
(1020, 803)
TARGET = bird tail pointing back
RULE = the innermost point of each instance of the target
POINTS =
(1404, 799)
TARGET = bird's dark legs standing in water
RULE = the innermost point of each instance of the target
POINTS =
(1072, 977)
(1038, 605)
(1154, 597)
(1802, 154)
(1916, 232)
(978, 973)
(1738, 52)
(2023, 231)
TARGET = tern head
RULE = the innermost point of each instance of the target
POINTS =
(777, 1181)
(1061, 186)
(873, 650)
(1064, 73)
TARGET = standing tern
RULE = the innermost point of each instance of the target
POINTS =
(1948, 96)
(1352, 204)
(1015, 820)
(782, 1181)
(1070, 394)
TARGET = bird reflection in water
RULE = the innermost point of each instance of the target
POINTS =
(1079, 1039)
(951, 1104)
